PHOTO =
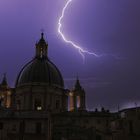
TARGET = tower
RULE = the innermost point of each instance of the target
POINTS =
(77, 97)
(5, 93)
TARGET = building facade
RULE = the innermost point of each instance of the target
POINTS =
(37, 108)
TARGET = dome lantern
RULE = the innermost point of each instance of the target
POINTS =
(41, 48)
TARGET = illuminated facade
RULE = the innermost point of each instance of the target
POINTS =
(37, 108)
(5, 93)
(77, 98)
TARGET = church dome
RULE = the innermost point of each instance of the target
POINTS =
(40, 69)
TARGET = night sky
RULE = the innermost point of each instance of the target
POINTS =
(103, 26)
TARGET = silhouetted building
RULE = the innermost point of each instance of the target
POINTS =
(37, 108)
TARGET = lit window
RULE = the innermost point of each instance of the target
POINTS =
(78, 101)
(37, 104)
(39, 108)
(71, 94)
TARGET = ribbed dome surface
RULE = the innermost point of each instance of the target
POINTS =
(40, 71)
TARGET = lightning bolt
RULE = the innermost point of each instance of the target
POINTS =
(81, 50)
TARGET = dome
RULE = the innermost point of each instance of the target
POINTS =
(40, 69)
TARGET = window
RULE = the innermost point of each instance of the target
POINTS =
(14, 127)
(22, 126)
(131, 130)
(1, 101)
(57, 104)
(86, 121)
(98, 137)
(38, 128)
(123, 115)
(18, 104)
(98, 121)
(39, 108)
(1, 125)
(37, 104)
(78, 101)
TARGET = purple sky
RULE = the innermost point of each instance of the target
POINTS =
(107, 27)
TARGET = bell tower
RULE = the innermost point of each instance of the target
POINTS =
(5, 93)
(77, 97)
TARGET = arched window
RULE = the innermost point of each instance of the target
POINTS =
(78, 101)
(18, 104)
(57, 104)
(1, 125)
(37, 104)
(38, 128)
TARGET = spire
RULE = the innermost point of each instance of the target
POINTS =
(42, 40)
(4, 80)
(41, 47)
(77, 84)
(42, 35)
